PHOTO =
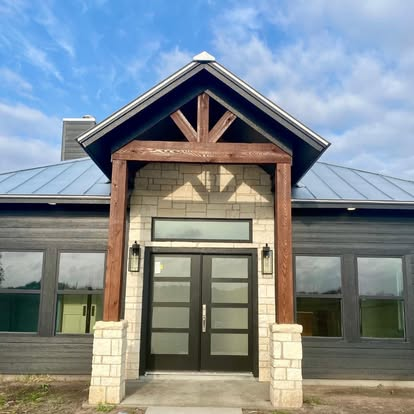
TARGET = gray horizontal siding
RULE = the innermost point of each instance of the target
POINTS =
(71, 149)
(37, 355)
(324, 232)
(50, 228)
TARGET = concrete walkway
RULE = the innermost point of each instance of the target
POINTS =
(195, 392)
(192, 410)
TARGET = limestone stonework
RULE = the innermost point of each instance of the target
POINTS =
(286, 366)
(203, 191)
(108, 363)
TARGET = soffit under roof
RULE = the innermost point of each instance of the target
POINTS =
(254, 110)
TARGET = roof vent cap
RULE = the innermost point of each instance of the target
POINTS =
(88, 116)
(204, 57)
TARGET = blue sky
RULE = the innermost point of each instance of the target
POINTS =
(344, 68)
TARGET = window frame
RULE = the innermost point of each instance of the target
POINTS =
(403, 297)
(339, 296)
(40, 291)
(74, 291)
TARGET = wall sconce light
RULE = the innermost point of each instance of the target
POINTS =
(267, 260)
(134, 257)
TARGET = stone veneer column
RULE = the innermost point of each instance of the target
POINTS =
(286, 366)
(108, 363)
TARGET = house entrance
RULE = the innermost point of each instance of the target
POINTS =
(200, 313)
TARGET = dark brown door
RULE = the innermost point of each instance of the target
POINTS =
(201, 313)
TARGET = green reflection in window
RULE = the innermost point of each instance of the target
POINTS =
(319, 316)
(19, 312)
(318, 275)
(382, 318)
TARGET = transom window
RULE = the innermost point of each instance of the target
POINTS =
(381, 287)
(319, 295)
(223, 230)
(80, 291)
(20, 283)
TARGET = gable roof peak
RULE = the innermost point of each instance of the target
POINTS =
(204, 57)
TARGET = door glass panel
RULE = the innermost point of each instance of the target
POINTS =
(318, 275)
(229, 344)
(172, 343)
(382, 318)
(229, 292)
(380, 276)
(229, 318)
(19, 312)
(167, 266)
(171, 292)
(169, 317)
(21, 270)
(229, 267)
(319, 316)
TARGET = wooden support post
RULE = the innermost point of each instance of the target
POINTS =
(116, 241)
(203, 111)
(283, 245)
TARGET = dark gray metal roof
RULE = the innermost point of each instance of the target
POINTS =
(324, 183)
(72, 179)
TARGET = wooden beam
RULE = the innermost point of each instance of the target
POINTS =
(283, 245)
(221, 126)
(184, 126)
(197, 152)
(116, 241)
(203, 110)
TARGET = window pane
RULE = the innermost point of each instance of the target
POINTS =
(318, 275)
(382, 318)
(229, 267)
(167, 266)
(21, 270)
(229, 292)
(77, 314)
(319, 317)
(19, 312)
(380, 276)
(169, 343)
(81, 271)
(229, 344)
(167, 317)
(171, 292)
(187, 229)
(229, 318)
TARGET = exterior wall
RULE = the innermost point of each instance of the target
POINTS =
(375, 233)
(210, 191)
(49, 228)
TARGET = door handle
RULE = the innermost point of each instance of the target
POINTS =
(84, 310)
(93, 310)
(204, 318)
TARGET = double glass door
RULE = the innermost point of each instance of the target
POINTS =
(200, 315)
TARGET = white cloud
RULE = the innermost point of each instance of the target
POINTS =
(171, 61)
(344, 82)
(28, 137)
(13, 80)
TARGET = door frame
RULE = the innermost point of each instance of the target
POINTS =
(146, 302)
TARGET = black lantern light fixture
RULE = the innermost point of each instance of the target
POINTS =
(267, 260)
(134, 257)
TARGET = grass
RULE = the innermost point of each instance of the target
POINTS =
(311, 400)
(104, 408)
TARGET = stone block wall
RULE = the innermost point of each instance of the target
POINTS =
(201, 191)
(108, 363)
(286, 366)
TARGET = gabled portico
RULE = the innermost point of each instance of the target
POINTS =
(203, 117)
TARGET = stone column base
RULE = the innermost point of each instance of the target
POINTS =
(286, 366)
(108, 363)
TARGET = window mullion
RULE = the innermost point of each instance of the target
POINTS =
(350, 302)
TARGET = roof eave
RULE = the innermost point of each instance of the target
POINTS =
(357, 204)
(52, 199)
